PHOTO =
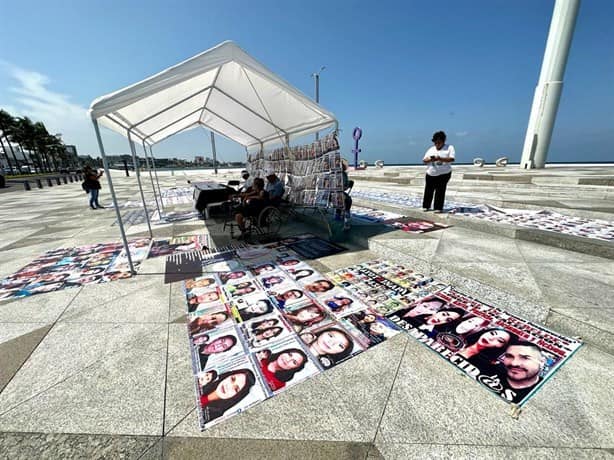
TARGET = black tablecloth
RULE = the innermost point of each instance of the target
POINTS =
(210, 192)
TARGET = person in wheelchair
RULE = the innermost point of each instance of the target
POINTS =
(252, 204)
(274, 188)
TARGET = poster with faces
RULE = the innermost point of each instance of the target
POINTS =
(302, 317)
(264, 331)
(331, 344)
(216, 346)
(285, 363)
(207, 319)
(253, 306)
(227, 388)
(372, 327)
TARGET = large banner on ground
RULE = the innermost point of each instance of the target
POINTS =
(398, 221)
(547, 220)
(267, 324)
(74, 267)
(598, 229)
(510, 356)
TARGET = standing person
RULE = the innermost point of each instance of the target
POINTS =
(91, 185)
(438, 172)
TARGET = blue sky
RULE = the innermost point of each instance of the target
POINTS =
(399, 70)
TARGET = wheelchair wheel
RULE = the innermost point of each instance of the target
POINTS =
(270, 220)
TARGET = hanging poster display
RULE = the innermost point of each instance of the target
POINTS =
(312, 173)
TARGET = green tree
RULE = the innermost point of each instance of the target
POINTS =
(7, 124)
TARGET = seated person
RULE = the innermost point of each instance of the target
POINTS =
(253, 202)
(247, 184)
(274, 188)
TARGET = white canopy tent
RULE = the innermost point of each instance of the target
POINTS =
(222, 89)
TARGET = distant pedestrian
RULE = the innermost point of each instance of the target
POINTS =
(91, 185)
(438, 172)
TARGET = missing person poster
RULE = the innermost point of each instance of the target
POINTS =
(510, 356)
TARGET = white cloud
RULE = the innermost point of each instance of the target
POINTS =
(30, 95)
(462, 133)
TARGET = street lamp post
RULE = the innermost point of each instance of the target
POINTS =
(316, 75)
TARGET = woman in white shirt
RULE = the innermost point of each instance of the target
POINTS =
(438, 171)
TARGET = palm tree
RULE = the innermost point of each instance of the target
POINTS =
(25, 136)
(7, 123)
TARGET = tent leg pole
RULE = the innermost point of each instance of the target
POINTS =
(156, 174)
(153, 187)
(138, 179)
(115, 205)
(214, 152)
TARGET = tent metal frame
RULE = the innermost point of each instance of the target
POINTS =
(132, 130)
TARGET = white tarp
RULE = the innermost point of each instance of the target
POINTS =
(223, 89)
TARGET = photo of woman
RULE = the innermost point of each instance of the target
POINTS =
(225, 392)
(263, 268)
(231, 276)
(270, 281)
(280, 368)
(241, 289)
(250, 310)
(330, 345)
(288, 297)
(299, 274)
(207, 321)
(199, 283)
(484, 347)
(305, 317)
(260, 337)
(434, 323)
(338, 303)
(414, 313)
(217, 346)
(259, 326)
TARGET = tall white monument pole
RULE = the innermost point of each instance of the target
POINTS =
(550, 84)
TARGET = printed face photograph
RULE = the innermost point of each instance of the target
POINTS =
(219, 345)
(522, 363)
(442, 317)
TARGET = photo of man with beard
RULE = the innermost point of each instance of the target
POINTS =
(522, 363)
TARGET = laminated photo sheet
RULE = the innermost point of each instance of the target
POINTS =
(137, 216)
(399, 199)
(311, 173)
(249, 344)
(539, 219)
(395, 220)
(510, 356)
(169, 246)
(177, 195)
(549, 221)
(385, 285)
(65, 268)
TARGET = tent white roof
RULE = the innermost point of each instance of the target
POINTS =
(223, 89)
